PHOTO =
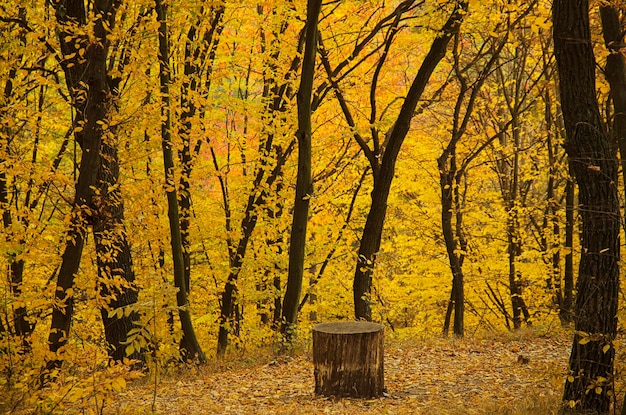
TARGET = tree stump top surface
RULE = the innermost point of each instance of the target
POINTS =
(348, 327)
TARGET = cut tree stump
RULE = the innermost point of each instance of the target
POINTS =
(348, 359)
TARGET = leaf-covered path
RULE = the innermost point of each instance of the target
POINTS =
(435, 376)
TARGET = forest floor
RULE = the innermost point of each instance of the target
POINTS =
(505, 374)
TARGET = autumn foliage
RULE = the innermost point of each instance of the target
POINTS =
(149, 159)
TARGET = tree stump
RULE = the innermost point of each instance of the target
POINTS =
(348, 359)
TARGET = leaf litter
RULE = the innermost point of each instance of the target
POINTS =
(432, 376)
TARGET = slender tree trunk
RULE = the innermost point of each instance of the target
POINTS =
(265, 176)
(304, 181)
(594, 163)
(450, 179)
(551, 236)
(383, 173)
(615, 72)
(447, 184)
(237, 253)
(513, 235)
(21, 326)
(192, 84)
(190, 348)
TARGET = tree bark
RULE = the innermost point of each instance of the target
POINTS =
(349, 359)
(566, 313)
(116, 278)
(615, 72)
(86, 81)
(595, 165)
(21, 326)
(384, 172)
(304, 181)
(266, 175)
(190, 348)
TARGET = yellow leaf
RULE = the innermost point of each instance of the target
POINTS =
(118, 384)
(606, 348)
(598, 390)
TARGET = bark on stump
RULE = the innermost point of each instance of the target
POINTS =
(348, 359)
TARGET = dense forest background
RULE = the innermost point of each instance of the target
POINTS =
(186, 180)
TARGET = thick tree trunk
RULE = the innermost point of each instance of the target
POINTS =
(566, 313)
(304, 181)
(594, 163)
(615, 72)
(349, 359)
(86, 80)
(116, 278)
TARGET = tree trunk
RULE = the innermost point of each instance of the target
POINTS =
(116, 278)
(615, 72)
(86, 81)
(447, 169)
(595, 164)
(21, 327)
(566, 313)
(265, 176)
(512, 228)
(190, 348)
(349, 359)
(304, 181)
(191, 84)
(384, 172)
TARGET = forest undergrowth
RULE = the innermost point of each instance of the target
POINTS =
(513, 373)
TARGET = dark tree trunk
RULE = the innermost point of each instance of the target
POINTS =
(384, 172)
(190, 348)
(550, 239)
(451, 175)
(456, 306)
(512, 230)
(21, 327)
(191, 84)
(594, 163)
(304, 181)
(566, 313)
(87, 82)
(615, 72)
(116, 278)
(237, 253)
(265, 176)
